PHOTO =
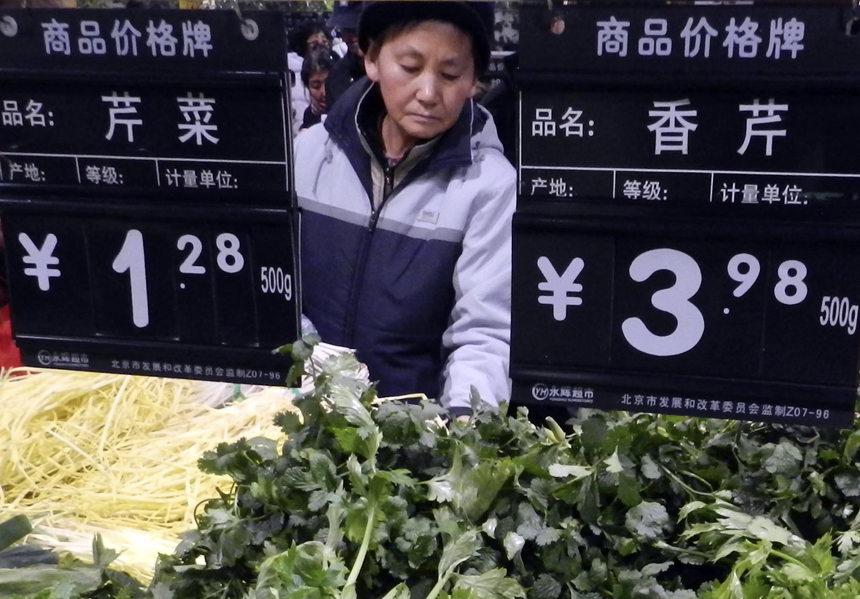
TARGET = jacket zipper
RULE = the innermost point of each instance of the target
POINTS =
(387, 188)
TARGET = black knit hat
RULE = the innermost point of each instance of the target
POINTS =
(474, 18)
(345, 14)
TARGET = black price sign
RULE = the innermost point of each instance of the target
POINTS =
(195, 284)
(191, 141)
(760, 153)
(643, 41)
(148, 214)
(686, 244)
(181, 42)
(743, 321)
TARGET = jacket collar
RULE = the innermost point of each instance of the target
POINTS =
(362, 103)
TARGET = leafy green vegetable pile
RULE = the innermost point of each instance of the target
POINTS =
(389, 500)
(392, 501)
(28, 571)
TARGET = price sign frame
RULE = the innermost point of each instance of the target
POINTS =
(641, 280)
(149, 215)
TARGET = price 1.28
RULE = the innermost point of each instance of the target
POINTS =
(229, 258)
(211, 285)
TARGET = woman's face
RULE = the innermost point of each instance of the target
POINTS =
(426, 75)
(316, 87)
(317, 42)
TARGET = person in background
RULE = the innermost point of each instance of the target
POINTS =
(315, 70)
(349, 69)
(299, 97)
(318, 42)
(407, 202)
(304, 41)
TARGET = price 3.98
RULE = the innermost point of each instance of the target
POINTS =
(743, 268)
(790, 289)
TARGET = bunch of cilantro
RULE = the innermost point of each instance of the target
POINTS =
(391, 500)
(28, 572)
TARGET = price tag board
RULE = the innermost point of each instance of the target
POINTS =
(194, 142)
(145, 187)
(686, 239)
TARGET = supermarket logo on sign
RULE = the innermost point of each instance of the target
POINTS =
(540, 391)
(51, 359)
(563, 393)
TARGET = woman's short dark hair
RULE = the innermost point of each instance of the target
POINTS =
(381, 21)
(313, 64)
(298, 38)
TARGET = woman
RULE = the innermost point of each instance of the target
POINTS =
(307, 40)
(315, 70)
(406, 203)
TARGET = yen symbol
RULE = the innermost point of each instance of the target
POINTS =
(560, 287)
(41, 259)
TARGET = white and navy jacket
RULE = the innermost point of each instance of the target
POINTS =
(410, 265)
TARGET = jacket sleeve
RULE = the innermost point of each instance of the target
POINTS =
(477, 341)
